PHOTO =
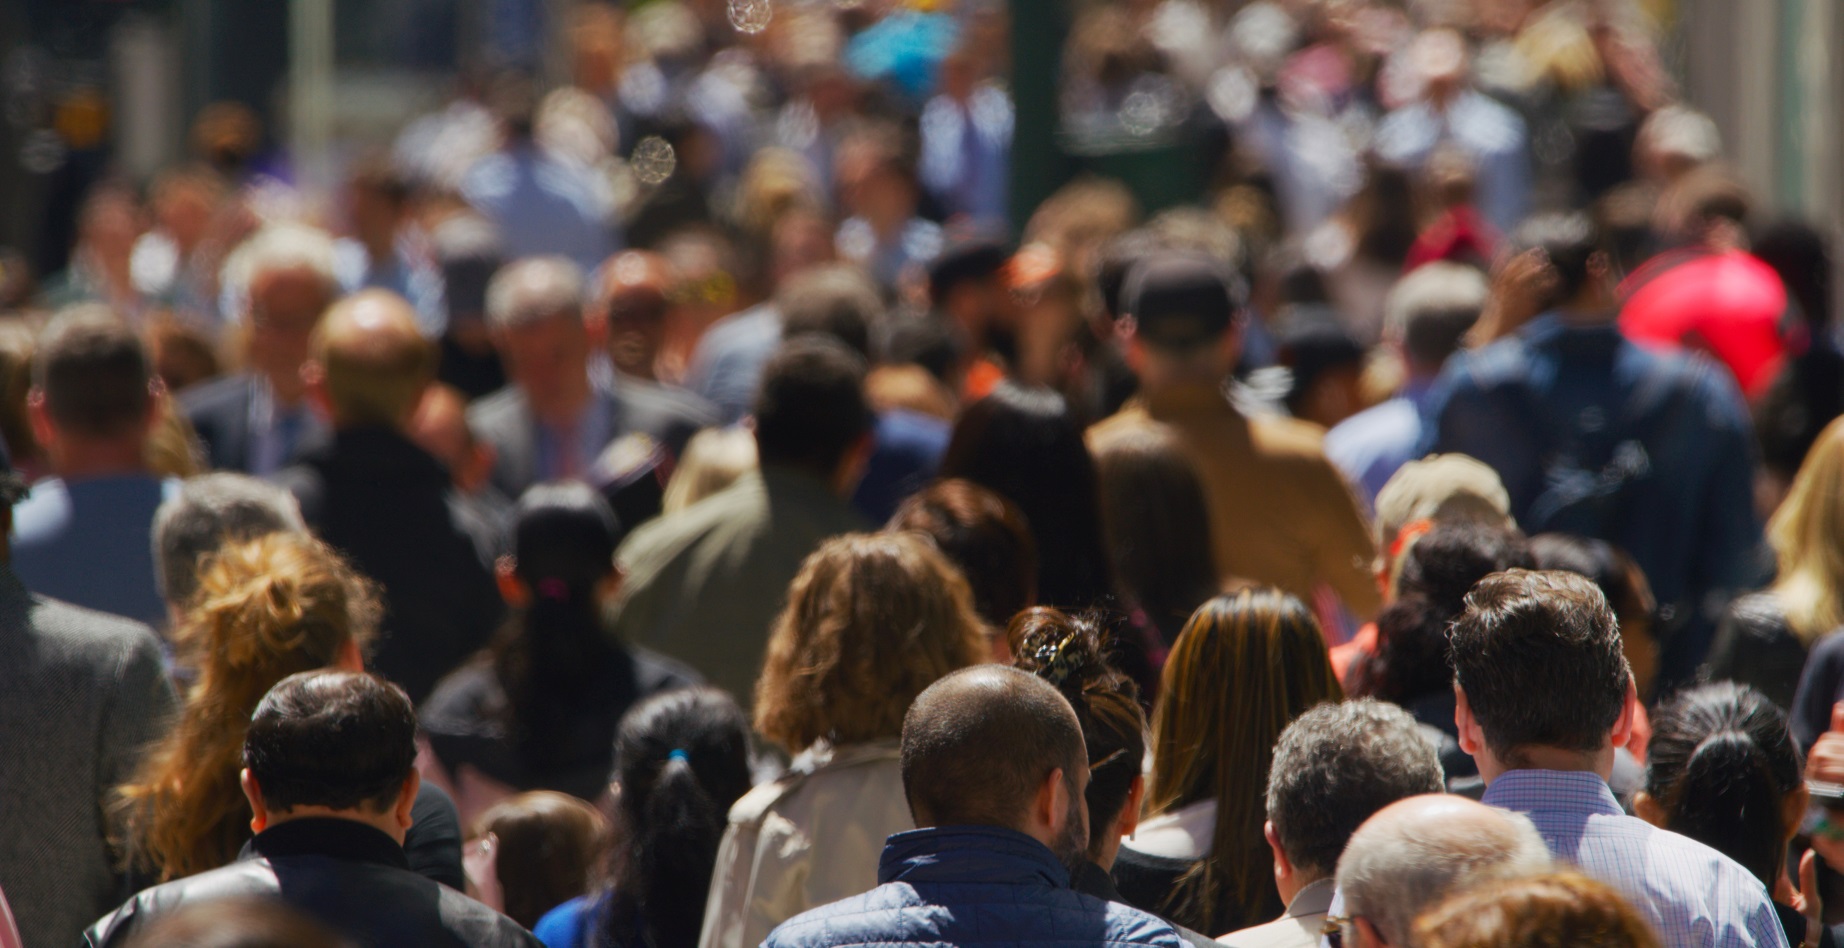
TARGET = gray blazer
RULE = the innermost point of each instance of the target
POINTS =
(80, 693)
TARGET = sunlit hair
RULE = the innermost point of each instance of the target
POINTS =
(264, 610)
(1807, 534)
(1564, 908)
(871, 620)
(713, 460)
(1244, 667)
(1071, 653)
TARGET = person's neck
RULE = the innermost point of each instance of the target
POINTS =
(1600, 763)
(385, 822)
(286, 388)
(565, 409)
(76, 460)
(1592, 307)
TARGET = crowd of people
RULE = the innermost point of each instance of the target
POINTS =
(685, 509)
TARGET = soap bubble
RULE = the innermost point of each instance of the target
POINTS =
(653, 160)
(751, 16)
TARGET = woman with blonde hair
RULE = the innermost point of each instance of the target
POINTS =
(1242, 669)
(1764, 637)
(871, 621)
(264, 610)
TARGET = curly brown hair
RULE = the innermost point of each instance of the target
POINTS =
(264, 610)
(871, 621)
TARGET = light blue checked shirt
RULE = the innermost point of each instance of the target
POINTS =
(1694, 896)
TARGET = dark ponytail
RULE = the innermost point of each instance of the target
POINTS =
(550, 654)
(681, 759)
(1072, 654)
(1721, 765)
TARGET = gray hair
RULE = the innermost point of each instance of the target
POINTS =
(1428, 311)
(1397, 865)
(208, 512)
(280, 246)
(534, 289)
(1337, 765)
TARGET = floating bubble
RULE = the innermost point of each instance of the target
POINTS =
(653, 160)
(1143, 112)
(751, 16)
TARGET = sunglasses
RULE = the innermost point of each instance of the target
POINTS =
(1340, 932)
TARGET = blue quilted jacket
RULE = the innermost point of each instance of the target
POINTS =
(971, 886)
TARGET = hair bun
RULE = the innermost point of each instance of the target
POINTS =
(1068, 652)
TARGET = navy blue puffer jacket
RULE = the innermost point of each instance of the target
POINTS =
(972, 887)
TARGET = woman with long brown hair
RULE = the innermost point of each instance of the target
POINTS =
(871, 621)
(264, 610)
(1244, 667)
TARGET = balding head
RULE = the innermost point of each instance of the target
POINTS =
(979, 747)
(371, 364)
(1414, 852)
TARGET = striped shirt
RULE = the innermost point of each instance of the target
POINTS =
(1694, 896)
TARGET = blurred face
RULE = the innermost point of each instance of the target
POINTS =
(801, 241)
(285, 306)
(185, 212)
(549, 359)
(110, 229)
(374, 216)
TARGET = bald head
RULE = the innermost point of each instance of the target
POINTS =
(371, 363)
(1415, 852)
(979, 743)
(632, 298)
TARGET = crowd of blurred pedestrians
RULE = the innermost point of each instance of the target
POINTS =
(618, 502)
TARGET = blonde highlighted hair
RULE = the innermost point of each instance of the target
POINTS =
(871, 621)
(264, 610)
(1807, 535)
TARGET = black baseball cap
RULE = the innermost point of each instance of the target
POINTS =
(1183, 301)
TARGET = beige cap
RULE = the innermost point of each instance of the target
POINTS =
(1440, 487)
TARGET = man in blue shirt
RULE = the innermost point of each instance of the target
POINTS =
(994, 767)
(1544, 699)
(1593, 435)
(84, 535)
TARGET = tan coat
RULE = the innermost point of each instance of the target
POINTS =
(810, 838)
(1280, 514)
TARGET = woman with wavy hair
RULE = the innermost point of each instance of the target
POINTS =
(1244, 667)
(871, 621)
(264, 610)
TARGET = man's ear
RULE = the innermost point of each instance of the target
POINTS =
(1283, 867)
(314, 377)
(406, 801)
(1050, 807)
(1129, 818)
(253, 792)
(512, 589)
(1471, 737)
(1629, 712)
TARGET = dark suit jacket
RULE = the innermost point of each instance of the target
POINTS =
(219, 411)
(388, 505)
(348, 875)
(670, 416)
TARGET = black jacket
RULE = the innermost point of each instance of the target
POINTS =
(388, 505)
(348, 875)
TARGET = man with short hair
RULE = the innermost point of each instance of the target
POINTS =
(1416, 852)
(80, 693)
(329, 767)
(1334, 767)
(206, 513)
(280, 281)
(83, 535)
(1594, 435)
(1280, 513)
(388, 504)
(994, 768)
(1545, 698)
(704, 584)
(1425, 316)
(552, 421)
